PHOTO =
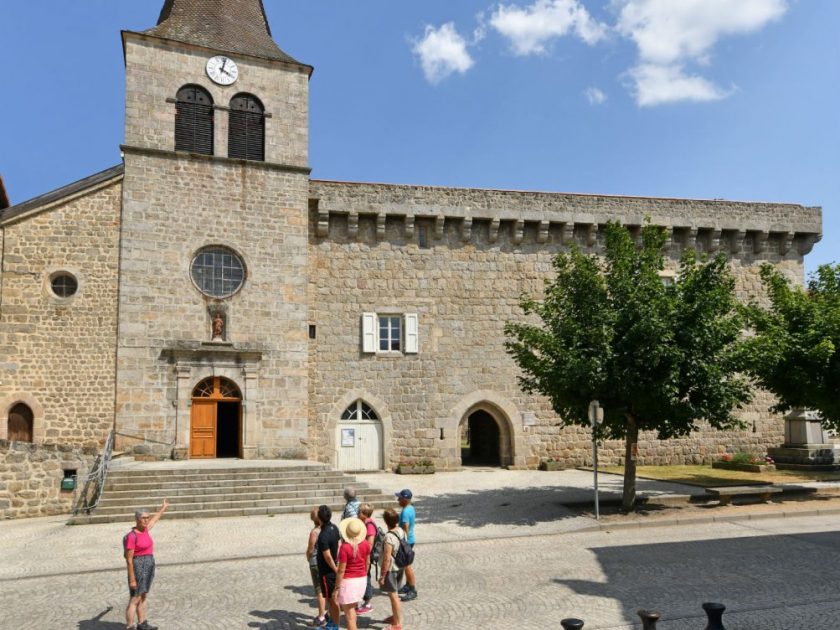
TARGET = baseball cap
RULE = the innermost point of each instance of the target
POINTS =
(405, 493)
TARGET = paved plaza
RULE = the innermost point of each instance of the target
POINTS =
(496, 549)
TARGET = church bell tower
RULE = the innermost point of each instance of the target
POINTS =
(212, 341)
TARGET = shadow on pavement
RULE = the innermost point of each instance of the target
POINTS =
(307, 594)
(498, 506)
(288, 620)
(97, 624)
(756, 573)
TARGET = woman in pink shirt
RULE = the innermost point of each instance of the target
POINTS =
(353, 563)
(140, 560)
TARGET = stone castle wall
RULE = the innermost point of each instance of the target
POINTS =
(31, 474)
(57, 355)
(482, 255)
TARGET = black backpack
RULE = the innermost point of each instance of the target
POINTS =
(405, 554)
(125, 541)
(378, 546)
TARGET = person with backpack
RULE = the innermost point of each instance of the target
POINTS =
(392, 575)
(327, 547)
(312, 559)
(407, 518)
(366, 515)
(351, 505)
(138, 550)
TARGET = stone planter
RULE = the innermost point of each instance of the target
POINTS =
(415, 470)
(544, 465)
(759, 468)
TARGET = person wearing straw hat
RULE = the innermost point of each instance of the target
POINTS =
(353, 564)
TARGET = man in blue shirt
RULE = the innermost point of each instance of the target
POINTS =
(407, 517)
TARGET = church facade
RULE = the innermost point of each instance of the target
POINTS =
(207, 298)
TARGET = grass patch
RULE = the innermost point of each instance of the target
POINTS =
(706, 476)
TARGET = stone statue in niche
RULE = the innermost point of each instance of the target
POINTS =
(218, 327)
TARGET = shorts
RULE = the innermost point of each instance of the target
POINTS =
(352, 590)
(144, 573)
(393, 581)
(316, 579)
(328, 584)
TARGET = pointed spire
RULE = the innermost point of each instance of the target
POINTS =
(232, 26)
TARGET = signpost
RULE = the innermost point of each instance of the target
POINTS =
(596, 417)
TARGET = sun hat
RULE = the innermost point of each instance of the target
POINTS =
(352, 530)
(405, 493)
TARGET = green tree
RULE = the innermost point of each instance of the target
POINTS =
(657, 357)
(795, 352)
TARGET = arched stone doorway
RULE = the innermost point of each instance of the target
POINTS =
(216, 419)
(485, 439)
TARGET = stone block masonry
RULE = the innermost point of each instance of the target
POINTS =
(31, 474)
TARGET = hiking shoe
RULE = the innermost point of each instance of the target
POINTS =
(410, 595)
(404, 589)
(364, 609)
(146, 626)
(331, 626)
(318, 622)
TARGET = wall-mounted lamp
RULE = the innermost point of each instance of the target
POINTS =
(441, 433)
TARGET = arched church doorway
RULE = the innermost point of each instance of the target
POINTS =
(216, 419)
(482, 442)
(359, 438)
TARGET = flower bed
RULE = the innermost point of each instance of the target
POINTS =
(759, 468)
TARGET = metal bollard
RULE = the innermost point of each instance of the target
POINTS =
(715, 614)
(649, 619)
(572, 624)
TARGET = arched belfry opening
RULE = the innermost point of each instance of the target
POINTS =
(216, 419)
(485, 438)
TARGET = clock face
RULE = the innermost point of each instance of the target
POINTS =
(222, 70)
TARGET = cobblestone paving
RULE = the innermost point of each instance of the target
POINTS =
(775, 574)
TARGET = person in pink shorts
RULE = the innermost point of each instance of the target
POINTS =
(353, 564)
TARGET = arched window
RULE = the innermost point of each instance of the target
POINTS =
(246, 131)
(359, 410)
(21, 423)
(217, 387)
(194, 120)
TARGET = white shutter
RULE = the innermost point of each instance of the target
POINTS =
(368, 332)
(411, 333)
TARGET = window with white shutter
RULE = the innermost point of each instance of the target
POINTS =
(411, 333)
(368, 332)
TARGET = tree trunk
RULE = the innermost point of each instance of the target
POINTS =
(628, 500)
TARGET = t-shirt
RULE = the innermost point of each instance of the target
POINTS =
(351, 509)
(393, 538)
(356, 565)
(313, 557)
(371, 528)
(407, 516)
(140, 542)
(327, 539)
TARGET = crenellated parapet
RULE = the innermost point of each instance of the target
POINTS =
(753, 229)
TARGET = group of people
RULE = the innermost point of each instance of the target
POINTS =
(341, 561)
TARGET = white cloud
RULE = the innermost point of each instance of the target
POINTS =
(673, 33)
(531, 29)
(442, 52)
(594, 96)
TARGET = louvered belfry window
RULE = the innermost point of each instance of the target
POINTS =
(194, 120)
(246, 135)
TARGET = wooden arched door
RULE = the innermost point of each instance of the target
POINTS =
(216, 419)
(21, 423)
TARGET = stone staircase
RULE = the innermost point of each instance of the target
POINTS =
(244, 490)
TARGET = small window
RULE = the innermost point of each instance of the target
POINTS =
(423, 236)
(390, 335)
(194, 120)
(64, 284)
(359, 410)
(246, 128)
(217, 271)
(21, 423)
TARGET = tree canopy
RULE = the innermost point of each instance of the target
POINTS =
(658, 357)
(795, 351)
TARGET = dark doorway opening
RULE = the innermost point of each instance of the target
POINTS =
(480, 441)
(227, 429)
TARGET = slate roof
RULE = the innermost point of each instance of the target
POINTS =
(232, 26)
(60, 193)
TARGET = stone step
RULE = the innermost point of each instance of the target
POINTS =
(238, 511)
(268, 473)
(152, 500)
(209, 505)
(117, 485)
(163, 493)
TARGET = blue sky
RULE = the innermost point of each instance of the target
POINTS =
(734, 99)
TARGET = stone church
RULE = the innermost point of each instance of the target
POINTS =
(206, 298)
